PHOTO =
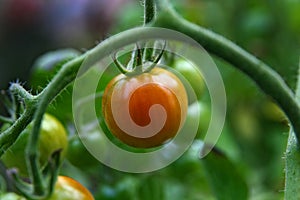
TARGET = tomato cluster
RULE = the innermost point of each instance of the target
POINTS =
(53, 137)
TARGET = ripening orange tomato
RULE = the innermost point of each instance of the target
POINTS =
(67, 188)
(145, 110)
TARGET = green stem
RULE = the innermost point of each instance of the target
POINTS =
(10, 135)
(149, 16)
(292, 160)
(292, 166)
(17, 89)
(58, 83)
(6, 119)
(149, 11)
(264, 76)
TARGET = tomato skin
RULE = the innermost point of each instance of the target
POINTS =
(202, 117)
(67, 188)
(79, 156)
(53, 136)
(192, 75)
(11, 196)
(158, 86)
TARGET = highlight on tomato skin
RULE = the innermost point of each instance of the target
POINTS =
(140, 93)
(11, 196)
(67, 188)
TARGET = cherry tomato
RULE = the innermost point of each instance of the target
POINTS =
(67, 188)
(53, 136)
(192, 75)
(202, 117)
(132, 97)
(79, 156)
(11, 196)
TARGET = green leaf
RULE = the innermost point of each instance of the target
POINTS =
(223, 177)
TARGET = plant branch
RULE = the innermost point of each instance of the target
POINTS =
(10, 135)
(6, 119)
(66, 75)
(17, 89)
(265, 77)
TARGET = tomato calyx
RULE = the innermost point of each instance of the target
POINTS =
(142, 60)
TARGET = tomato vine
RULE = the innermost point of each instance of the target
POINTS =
(264, 76)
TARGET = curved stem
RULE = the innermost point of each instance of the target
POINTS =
(264, 76)
(119, 65)
(17, 89)
(10, 135)
(157, 59)
(59, 82)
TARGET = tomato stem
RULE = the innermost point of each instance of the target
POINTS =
(119, 65)
(292, 158)
(138, 61)
(17, 89)
(6, 120)
(149, 11)
(156, 59)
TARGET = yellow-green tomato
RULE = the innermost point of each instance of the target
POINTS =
(52, 137)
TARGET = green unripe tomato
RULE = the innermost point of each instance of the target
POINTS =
(192, 75)
(198, 112)
(53, 137)
(79, 156)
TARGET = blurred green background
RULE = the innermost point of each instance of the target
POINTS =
(255, 133)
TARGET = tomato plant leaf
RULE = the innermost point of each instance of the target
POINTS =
(223, 177)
